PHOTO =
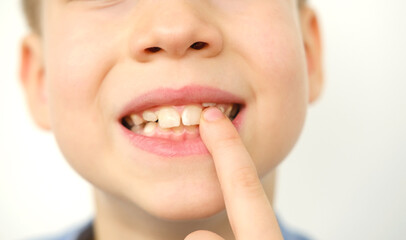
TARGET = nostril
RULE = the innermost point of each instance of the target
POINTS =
(153, 49)
(198, 45)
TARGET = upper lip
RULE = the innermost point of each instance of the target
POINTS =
(185, 95)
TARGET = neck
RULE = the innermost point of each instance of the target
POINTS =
(119, 219)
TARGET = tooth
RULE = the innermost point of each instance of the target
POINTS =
(149, 128)
(164, 130)
(137, 120)
(228, 110)
(149, 116)
(178, 130)
(208, 104)
(222, 108)
(234, 110)
(168, 118)
(192, 128)
(137, 129)
(192, 132)
(191, 115)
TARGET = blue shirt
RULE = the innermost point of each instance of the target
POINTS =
(85, 232)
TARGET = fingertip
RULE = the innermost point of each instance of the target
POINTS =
(212, 114)
(203, 235)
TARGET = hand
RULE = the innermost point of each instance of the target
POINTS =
(248, 209)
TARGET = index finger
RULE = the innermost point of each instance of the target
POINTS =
(248, 208)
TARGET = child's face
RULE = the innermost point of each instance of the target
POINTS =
(96, 62)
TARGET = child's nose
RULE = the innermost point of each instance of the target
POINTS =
(175, 32)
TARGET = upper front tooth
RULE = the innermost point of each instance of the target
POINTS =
(191, 115)
(149, 116)
(168, 118)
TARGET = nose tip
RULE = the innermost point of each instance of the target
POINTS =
(176, 36)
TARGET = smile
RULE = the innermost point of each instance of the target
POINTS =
(166, 121)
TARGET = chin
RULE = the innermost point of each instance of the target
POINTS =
(185, 205)
(182, 213)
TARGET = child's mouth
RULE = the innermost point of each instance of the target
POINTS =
(165, 121)
(175, 123)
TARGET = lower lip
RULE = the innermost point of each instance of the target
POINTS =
(171, 148)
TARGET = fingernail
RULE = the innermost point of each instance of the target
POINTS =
(212, 114)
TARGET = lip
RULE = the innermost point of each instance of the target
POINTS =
(185, 95)
(167, 96)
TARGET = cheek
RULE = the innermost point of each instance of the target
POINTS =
(274, 53)
(281, 103)
(79, 60)
(281, 93)
(75, 74)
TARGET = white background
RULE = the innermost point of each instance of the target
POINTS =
(344, 180)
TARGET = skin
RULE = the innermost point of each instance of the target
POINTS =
(90, 61)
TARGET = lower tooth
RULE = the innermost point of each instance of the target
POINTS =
(149, 128)
(193, 128)
(178, 130)
(137, 129)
